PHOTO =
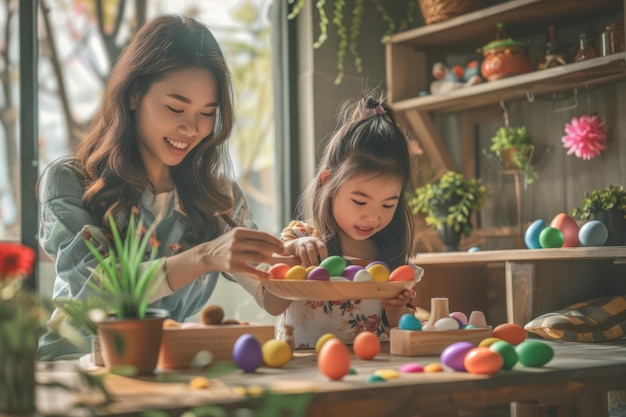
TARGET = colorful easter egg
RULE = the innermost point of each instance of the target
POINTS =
(323, 339)
(402, 273)
(247, 353)
(379, 273)
(371, 264)
(531, 236)
(459, 315)
(334, 359)
(334, 264)
(362, 276)
(568, 227)
(408, 368)
(296, 272)
(366, 345)
(276, 353)
(551, 237)
(446, 323)
(474, 249)
(510, 332)
(279, 270)
(507, 351)
(350, 271)
(453, 355)
(593, 233)
(482, 361)
(318, 274)
(409, 322)
(533, 353)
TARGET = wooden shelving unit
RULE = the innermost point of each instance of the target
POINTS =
(408, 70)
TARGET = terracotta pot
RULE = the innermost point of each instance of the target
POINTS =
(132, 342)
(503, 59)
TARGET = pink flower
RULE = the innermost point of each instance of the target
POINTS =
(585, 137)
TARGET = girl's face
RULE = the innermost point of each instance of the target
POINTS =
(364, 205)
(173, 117)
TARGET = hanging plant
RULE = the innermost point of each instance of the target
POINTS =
(585, 137)
(517, 142)
(347, 17)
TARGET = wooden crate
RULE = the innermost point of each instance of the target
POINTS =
(432, 342)
(180, 345)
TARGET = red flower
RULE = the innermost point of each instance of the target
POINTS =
(372, 322)
(16, 260)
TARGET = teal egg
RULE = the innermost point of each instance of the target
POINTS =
(593, 233)
(334, 265)
(551, 237)
(474, 249)
(409, 322)
(507, 351)
(533, 353)
(531, 237)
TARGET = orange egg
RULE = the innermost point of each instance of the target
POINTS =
(482, 360)
(510, 332)
(279, 270)
(433, 367)
(402, 273)
(366, 345)
(568, 226)
(334, 359)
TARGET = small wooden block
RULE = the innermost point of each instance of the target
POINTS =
(180, 345)
(432, 342)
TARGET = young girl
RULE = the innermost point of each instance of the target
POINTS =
(356, 208)
(158, 143)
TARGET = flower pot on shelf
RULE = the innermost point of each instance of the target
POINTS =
(17, 381)
(616, 225)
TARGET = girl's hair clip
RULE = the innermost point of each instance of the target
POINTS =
(375, 106)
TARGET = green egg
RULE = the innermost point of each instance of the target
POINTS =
(507, 351)
(334, 265)
(551, 237)
(533, 353)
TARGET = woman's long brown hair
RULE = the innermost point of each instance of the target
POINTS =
(107, 159)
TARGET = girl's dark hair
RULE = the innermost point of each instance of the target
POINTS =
(370, 141)
(107, 159)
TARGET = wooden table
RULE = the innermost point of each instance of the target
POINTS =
(518, 285)
(574, 383)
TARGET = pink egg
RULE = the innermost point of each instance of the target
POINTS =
(402, 273)
(462, 317)
(568, 226)
(408, 368)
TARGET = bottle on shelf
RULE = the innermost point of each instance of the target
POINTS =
(586, 49)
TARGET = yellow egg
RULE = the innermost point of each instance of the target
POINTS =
(310, 268)
(379, 273)
(323, 339)
(276, 353)
(387, 373)
(199, 382)
(488, 341)
(296, 272)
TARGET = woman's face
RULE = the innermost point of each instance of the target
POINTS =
(363, 205)
(173, 117)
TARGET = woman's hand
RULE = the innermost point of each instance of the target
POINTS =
(311, 250)
(238, 249)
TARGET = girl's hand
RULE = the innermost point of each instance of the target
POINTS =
(236, 250)
(310, 250)
(396, 307)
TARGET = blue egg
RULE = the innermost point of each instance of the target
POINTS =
(531, 237)
(593, 233)
(474, 249)
(409, 322)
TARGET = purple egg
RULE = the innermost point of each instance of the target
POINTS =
(378, 262)
(351, 271)
(247, 353)
(318, 274)
(411, 368)
(454, 355)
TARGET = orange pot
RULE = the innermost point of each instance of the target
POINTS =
(504, 58)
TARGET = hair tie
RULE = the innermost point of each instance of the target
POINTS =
(375, 106)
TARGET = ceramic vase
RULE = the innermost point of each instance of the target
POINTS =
(616, 225)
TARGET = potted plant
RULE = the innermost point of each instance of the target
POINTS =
(126, 279)
(609, 206)
(448, 204)
(514, 147)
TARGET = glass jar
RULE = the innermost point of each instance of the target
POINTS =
(613, 38)
(586, 50)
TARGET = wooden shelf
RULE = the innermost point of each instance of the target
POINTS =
(522, 17)
(493, 256)
(591, 73)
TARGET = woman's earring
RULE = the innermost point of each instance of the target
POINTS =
(324, 175)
